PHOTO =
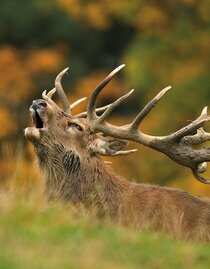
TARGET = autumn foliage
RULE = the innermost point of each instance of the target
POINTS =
(161, 42)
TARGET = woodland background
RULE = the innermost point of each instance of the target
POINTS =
(162, 43)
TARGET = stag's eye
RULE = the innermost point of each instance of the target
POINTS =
(78, 127)
(72, 124)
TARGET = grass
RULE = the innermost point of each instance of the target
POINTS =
(34, 234)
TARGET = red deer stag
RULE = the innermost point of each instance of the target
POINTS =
(68, 148)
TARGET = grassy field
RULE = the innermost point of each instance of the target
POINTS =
(36, 235)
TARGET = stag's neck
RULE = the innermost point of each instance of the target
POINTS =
(79, 179)
(50, 162)
(93, 183)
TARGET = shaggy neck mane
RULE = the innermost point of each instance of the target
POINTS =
(81, 180)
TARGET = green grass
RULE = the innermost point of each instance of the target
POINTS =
(36, 235)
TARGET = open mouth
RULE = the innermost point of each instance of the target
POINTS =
(36, 119)
(39, 127)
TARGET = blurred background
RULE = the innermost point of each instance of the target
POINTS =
(162, 43)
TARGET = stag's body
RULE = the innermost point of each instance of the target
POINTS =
(87, 180)
(68, 152)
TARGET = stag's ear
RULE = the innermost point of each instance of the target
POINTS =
(107, 146)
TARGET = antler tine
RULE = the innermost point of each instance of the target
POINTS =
(119, 153)
(99, 109)
(198, 171)
(116, 103)
(76, 103)
(61, 92)
(193, 126)
(145, 111)
(47, 96)
(92, 102)
(51, 92)
(124, 152)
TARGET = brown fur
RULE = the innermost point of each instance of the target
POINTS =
(75, 172)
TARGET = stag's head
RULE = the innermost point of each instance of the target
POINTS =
(53, 125)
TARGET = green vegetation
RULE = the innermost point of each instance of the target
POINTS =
(34, 235)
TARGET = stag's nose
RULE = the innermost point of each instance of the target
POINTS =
(37, 104)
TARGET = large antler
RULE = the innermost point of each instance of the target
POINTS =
(178, 146)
